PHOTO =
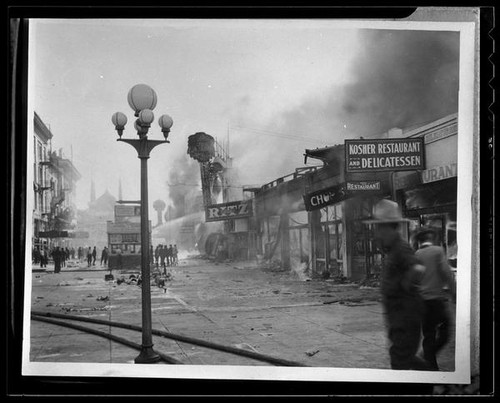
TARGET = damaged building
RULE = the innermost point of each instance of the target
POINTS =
(311, 221)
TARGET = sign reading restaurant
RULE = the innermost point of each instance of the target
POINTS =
(228, 211)
(335, 194)
(384, 155)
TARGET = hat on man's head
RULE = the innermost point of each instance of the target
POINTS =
(386, 211)
(424, 230)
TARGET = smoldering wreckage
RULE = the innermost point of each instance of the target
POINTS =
(310, 222)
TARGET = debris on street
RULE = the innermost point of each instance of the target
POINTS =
(310, 353)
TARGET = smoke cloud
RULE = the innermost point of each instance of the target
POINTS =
(397, 79)
(400, 79)
(184, 185)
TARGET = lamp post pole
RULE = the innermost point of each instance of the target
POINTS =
(142, 99)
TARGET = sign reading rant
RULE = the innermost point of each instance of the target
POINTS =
(384, 155)
(439, 173)
(335, 194)
(228, 211)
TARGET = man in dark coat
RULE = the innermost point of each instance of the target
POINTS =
(170, 252)
(175, 254)
(104, 256)
(56, 255)
(94, 255)
(399, 286)
(157, 255)
(89, 256)
(163, 255)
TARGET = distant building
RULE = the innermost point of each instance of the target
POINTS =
(54, 185)
(42, 184)
(93, 220)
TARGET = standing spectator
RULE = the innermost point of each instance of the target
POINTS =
(80, 253)
(119, 261)
(43, 257)
(157, 255)
(170, 252)
(399, 287)
(436, 282)
(151, 256)
(104, 256)
(36, 255)
(94, 255)
(56, 255)
(89, 256)
(68, 253)
(163, 254)
(62, 254)
(175, 253)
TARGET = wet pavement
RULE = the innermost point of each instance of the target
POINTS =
(318, 323)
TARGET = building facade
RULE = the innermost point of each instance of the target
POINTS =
(54, 186)
(42, 184)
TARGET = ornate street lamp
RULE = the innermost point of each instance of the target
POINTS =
(142, 99)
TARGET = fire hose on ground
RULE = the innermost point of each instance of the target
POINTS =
(121, 340)
(45, 316)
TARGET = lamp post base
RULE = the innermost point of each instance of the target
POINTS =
(147, 356)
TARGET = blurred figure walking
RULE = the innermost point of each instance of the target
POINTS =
(436, 286)
(401, 273)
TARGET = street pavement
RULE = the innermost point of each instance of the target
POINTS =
(318, 322)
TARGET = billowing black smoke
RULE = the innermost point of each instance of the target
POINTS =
(400, 79)
(404, 78)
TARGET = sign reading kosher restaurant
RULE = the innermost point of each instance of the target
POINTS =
(335, 194)
(228, 211)
(384, 155)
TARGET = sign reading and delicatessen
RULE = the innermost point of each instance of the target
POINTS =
(384, 155)
(229, 211)
(337, 193)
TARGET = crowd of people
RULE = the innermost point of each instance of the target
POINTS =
(163, 256)
(60, 255)
(166, 256)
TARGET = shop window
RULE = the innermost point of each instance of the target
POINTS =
(431, 195)
(130, 237)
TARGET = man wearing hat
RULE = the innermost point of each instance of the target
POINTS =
(400, 279)
(436, 278)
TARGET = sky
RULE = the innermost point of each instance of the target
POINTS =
(269, 88)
